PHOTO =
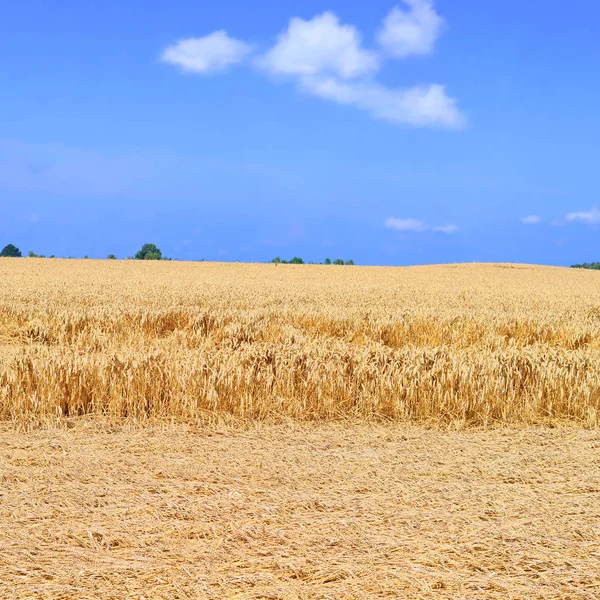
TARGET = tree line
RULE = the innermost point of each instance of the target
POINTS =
(595, 266)
(298, 261)
(147, 252)
(153, 252)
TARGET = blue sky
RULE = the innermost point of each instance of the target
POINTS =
(390, 133)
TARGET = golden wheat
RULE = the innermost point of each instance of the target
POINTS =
(472, 344)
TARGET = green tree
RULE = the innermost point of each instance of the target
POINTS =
(327, 261)
(338, 261)
(595, 266)
(149, 252)
(350, 262)
(296, 261)
(276, 260)
(32, 254)
(111, 257)
(11, 251)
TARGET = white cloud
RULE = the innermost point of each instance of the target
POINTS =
(531, 220)
(412, 31)
(212, 53)
(446, 228)
(418, 106)
(417, 226)
(406, 224)
(326, 59)
(320, 46)
(591, 217)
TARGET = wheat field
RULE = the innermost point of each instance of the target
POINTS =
(197, 430)
(475, 344)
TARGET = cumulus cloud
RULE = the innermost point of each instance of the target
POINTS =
(212, 53)
(531, 220)
(326, 59)
(418, 106)
(591, 217)
(320, 46)
(416, 226)
(412, 31)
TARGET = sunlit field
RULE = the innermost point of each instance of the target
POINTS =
(201, 342)
(178, 430)
(299, 511)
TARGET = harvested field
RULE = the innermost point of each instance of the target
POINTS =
(324, 511)
(206, 343)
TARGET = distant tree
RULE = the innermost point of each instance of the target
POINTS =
(111, 257)
(52, 256)
(32, 254)
(294, 261)
(595, 266)
(11, 251)
(350, 262)
(338, 261)
(327, 261)
(149, 252)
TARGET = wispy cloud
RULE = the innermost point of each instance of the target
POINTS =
(416, 226)
(327, 59)
(531, 220)
(406, 225)
(213, 53)
(591, 217)
(446, 228)
(412, 31)
(136, 174)
(417, 106)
